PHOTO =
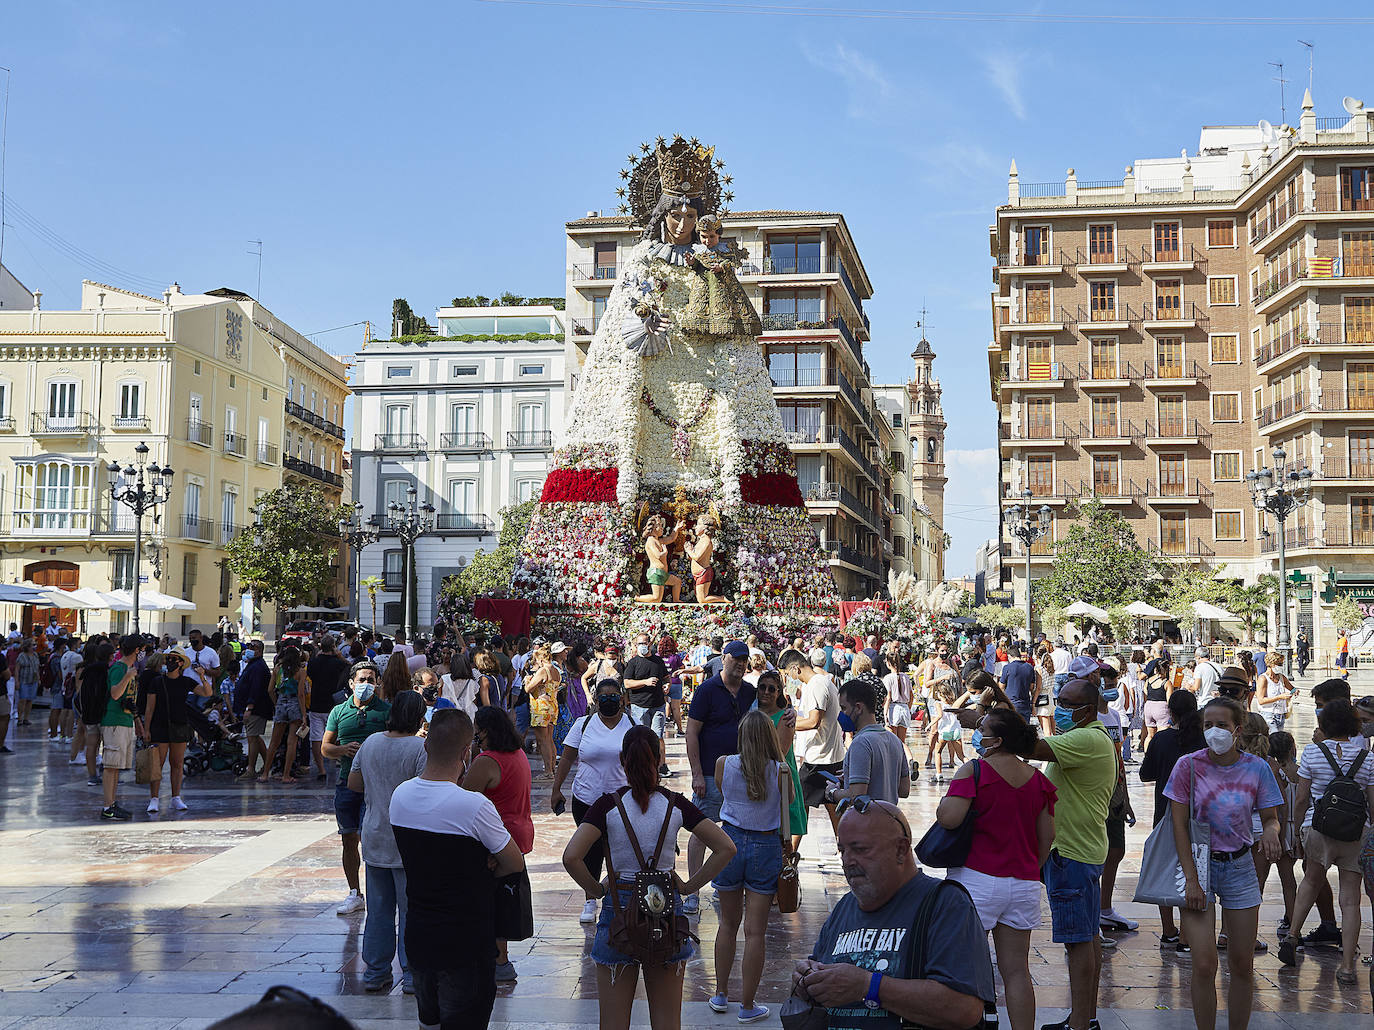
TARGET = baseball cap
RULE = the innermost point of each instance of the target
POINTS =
(1083, 667)
(558, 647)
(736, 649)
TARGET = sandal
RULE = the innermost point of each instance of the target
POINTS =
(1221, 942)
(1347, 977)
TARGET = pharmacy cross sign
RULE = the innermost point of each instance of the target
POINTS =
(233, 334)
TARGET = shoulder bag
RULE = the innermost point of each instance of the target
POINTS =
(648, 927)
(943, 848)
(1161, 873)
(789, 879)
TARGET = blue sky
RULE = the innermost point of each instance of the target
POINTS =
(428, 150)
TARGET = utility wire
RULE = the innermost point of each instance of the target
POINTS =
(25, 220)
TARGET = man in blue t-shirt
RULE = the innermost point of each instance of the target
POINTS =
(1018, 680)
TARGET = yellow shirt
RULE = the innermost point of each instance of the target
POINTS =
(1084, 772)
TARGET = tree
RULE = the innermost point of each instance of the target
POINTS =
(1189, 583)
(1252, 603)
(405, 322)
(287, 555)
(372, 584)
(489, 573)
(1346, 613)
(1100, 561)
(996, 616)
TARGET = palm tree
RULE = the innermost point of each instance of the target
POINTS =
(373, 584)
(1252, 603)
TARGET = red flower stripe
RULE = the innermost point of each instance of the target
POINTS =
(777, 488)
(572, 485)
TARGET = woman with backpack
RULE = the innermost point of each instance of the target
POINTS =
(91, 698)
(594, 743)
(639, 825)
(461, 687)
(1335, 797)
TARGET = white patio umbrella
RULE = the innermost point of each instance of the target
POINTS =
(68, 599)
(1082, 608)
(148, 601)
(93, 597)
(1205, 610)
(19, 593)
(1141, 610)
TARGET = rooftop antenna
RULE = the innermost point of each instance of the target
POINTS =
(257, 294)
(4, 138)
(1311, 53)
(1283, 107)
(922, 322)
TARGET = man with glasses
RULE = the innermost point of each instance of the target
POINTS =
(1083, 769)
(862, 967)
(350, 723)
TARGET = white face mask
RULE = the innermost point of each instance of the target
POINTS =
(642, 650)
(1219, 740)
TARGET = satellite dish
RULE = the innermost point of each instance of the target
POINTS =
(1266, 131)
(1353, 106)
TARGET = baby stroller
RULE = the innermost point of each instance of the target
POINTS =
(213, 747)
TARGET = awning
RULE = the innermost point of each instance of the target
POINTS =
(1079, 608)
(1204, 610)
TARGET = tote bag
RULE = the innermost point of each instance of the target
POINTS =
(1161, 873)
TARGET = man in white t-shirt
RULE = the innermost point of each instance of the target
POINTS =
(819, 741)
(448, 837)
(1205, 675)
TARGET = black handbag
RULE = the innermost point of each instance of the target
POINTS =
(943, 848)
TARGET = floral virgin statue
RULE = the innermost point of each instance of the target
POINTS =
(674, 416)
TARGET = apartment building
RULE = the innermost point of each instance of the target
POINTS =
(469, 418)
(1157, 336)
(201, 379)
(807, 280)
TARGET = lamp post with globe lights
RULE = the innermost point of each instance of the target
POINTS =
(1281, 491)
(141, 487)
(357, 533)
(409, 521)
(1028, 527)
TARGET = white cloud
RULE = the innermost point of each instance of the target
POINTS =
(868, 86)
(1004, 71)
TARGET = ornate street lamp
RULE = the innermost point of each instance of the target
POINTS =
(356, 535)
(141, 487)
(1281, 491)
(1028, 529)
(409, 521)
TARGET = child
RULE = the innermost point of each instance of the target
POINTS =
(708, 228)
(950, 734)
(1283, 760)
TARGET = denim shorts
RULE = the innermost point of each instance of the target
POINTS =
(288, 710)
(605, 955)
(756, 863)
(1060, 678)
(1235, 884)
(653, 717)
(1075, 893)
(709, 803)
(348, 808)
(675, 692)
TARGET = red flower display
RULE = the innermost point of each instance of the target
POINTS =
(776, 488)
(594, 485)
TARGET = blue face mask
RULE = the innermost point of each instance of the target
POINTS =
(977, 742)
(847, 724)
(1111, 695)
(363, 692)
(1063, 718)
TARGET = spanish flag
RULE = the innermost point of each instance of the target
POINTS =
(1038, 371)
(1321, 268)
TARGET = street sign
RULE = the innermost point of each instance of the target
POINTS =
(143, 578)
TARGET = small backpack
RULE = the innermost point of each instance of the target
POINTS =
(1341, 811)
(647, 927)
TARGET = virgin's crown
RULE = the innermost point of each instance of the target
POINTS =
(684, 168)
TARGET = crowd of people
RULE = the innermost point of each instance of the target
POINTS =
(438, 745)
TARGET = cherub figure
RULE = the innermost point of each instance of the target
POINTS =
(702, 550)
(658, 544)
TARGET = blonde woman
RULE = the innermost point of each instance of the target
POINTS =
(542, 686)
(1273, 692)
(756, 785)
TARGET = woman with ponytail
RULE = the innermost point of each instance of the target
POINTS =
(641, 808)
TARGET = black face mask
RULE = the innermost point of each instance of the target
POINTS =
(608, 704)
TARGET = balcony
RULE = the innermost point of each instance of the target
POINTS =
(1331, 337)
(1040, 435)
(852, 556)
(464, 443)
(331, 428)
(1052, 263)
(1284, 408)
(198, 432)
(1341, 469)
(113, 522)
(125, 423)
(1042, 320)
(79, 424)
(1173, 316)
(1172, 375)
(1099, 263)
(195, 528)
(1045, 375)
(1183, 258)
(1180, 547)
(1293, 537)
(266, 453)
(313, 471)
(393, 580)
(530, 440)
(1177, 493)
(585, 326)
(227, 531)
(595, 273)
(1111, 492)
(1345, 536)
(401, 443)
(1107, 377)
(1109, 433)
(1176, 432)
(1117, 317)
(459, 524)
(1270, 224)
(1265, 290)
(1041, 493)
(6, 423)
(860, 510)
(823, 493)
(304, 414)
(236, 445)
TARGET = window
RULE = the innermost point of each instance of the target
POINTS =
(62, 402)
(1102, 301)
(1221, 290)
(226, 586)
(1173, 532)
(53, 495)
(604, 267)
(1361, 454)
(1172, 420)
(797, 364)
(1169, 351)
(1227, 525)
(1106, 475)
(1039, 351)
(1225, 407)
(1035, 245)
(794, 309)
(1362, 514)
(195, 369)
(1226, 466)
(4, 399)
(394, 492)
(801, 421)
(130, 402)
(121, 570)
(463, 420)
(531, 420)
(1359, 386)
(1166, 241)
(464, 370)
(188, 575)
(527, 490)
(809, 472)
(531, 370)
(1037, 297)
(462, 496)
(1168, 300)
(399, 371)
(1359, 320)
(1101, 244)
(1103, 358)
(598, 309)
(1357, 189)
(1225, 350)
(1104, 414)
(228, 513)
(794, 254)
(1040, 476)
(1221, 232)
(1357, 253)
(393, 569)
(1040, 418)
(397, 421)
(233, 381)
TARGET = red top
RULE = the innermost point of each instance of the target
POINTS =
(1004, 841)
(512, 797)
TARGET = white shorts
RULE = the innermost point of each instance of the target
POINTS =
(898, 714)
(1002, 899)
(317, 721)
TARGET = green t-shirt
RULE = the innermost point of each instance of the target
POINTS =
(351, 724)
(115, 712)
(1084, 772)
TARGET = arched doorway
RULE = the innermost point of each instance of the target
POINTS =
(62, 574)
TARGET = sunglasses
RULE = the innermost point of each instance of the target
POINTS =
(863, 803)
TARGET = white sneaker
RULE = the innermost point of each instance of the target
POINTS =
(152, 807)
(78, 760)
(177, 804)
(588, 913)
(1111, 919)
(353, 903)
